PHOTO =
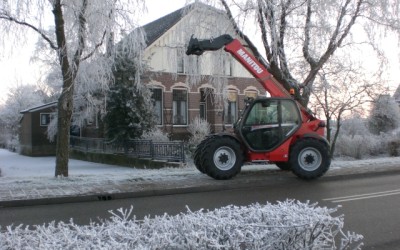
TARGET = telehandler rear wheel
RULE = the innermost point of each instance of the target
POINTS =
(309, 158)
(221, 158)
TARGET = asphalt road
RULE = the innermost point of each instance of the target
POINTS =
(369, 203)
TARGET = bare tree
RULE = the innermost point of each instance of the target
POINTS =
(79, 34)
(300, 37)
(342, 88)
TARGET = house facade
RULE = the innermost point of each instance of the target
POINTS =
(212, 86)
(33, 130)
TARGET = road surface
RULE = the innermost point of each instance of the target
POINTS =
(369, 203)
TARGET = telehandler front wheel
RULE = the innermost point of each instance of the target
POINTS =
(222, 157)
(197, 155)
(309, 158)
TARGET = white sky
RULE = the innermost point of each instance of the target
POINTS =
(16, 69)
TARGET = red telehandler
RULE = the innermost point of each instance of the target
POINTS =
(277, 129)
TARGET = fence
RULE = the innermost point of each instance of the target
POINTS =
(170, 151)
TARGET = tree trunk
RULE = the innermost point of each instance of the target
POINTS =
(65, 102)
(65, 108)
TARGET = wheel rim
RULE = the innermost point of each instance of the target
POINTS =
(309, 159)
(224, 158)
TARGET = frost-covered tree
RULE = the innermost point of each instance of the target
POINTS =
(18, 99)
(385, 115)
(130, 110)
(300, 37)
(78, 35)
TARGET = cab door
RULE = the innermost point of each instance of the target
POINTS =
(269, 122)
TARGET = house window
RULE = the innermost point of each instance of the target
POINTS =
(203, 107)
(231, 108)
(45, 119)
(179, 106)
(156, 96)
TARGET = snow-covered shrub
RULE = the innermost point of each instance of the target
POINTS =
(360, 146)
(351, 146)
(385, 115)
(4, 138)
(13, 143)
(198, 130)
(394, 147)
(155, 134)
(394, 143)
(286, 225)
(356, 141)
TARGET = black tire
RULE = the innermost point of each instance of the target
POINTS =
(221, 158)
(309, 158)
(284, 165)
(197, 155)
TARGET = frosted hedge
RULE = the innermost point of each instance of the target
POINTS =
(285, 225)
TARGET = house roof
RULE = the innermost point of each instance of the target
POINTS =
(39, 107)
(157, 28)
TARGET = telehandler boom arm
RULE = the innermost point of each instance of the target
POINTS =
(239, 52)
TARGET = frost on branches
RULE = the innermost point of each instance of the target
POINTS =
(286, 225)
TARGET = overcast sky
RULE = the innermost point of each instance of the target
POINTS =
(16, 69)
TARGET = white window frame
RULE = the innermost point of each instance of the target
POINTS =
(174, 107)
(228, 106)
(41, 120)
(161, 105)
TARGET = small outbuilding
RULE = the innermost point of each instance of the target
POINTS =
(33, 130)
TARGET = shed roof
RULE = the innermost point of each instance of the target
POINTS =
(39, 107)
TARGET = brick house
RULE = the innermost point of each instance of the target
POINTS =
(177, 100)
(33, 130)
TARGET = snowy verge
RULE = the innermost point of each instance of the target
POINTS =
(285, 225)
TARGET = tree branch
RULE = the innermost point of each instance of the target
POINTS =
(95, 48)
(81, 35)
(244, 37)
(306, 44)
(334, 42)
(5, 16)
